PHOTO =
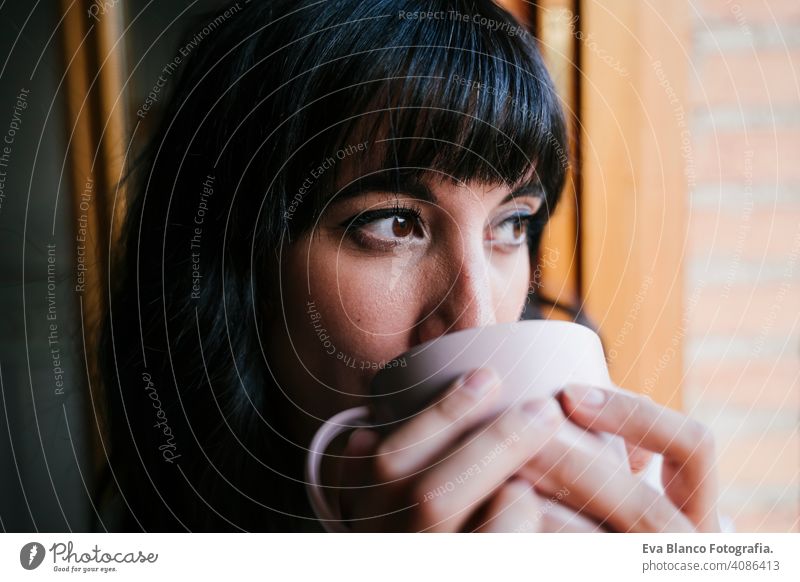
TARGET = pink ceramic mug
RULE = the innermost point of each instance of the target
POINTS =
(534, 359)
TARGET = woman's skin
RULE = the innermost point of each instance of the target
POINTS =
(445, 257)
(392, 284)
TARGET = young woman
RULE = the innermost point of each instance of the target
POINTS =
(331, 184)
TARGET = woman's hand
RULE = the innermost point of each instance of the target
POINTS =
(615, 497)
(517, 507)
(450, 468)
(688, 473)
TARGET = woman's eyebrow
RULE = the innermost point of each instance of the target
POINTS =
(415, 188)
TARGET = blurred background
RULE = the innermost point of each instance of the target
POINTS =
(679, 235)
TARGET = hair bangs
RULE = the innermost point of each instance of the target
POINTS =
(445, 99)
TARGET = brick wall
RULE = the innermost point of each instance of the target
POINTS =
(743, 259)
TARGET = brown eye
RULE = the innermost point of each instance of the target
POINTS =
(402, 227)
(386, 229)
(511, 232)
(519, 229)
(398, 225)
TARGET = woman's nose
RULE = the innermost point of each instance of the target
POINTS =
(463, 296)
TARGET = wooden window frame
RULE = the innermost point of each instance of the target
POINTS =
(615, 244)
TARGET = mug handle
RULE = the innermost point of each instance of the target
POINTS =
(351, 418)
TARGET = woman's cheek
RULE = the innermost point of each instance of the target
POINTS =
(511, 286)
(368, 302)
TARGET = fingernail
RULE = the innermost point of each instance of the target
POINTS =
(478, 382)
(585, 396)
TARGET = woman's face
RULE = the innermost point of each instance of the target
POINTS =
(386, 269)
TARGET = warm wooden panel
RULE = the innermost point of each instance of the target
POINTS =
(634, 190)
(95, 130)
(559, 252)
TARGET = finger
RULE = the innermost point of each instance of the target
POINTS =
(449, 492)
(598, 488)
(686, 445)
(516, 508)
(558, 518)
(360, 446)
(354, 466)
(419, 441)
(638, 457)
